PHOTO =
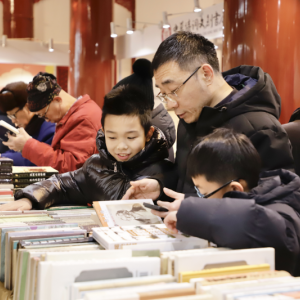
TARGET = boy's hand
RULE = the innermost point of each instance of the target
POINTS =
(18, 142)
(143, 189)
(171, 206)
(171, 221)
(19, 205)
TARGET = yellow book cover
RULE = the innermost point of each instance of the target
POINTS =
(186, 276)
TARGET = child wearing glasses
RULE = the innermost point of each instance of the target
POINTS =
(236, 207)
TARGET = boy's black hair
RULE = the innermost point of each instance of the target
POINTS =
(223, 156)
(127, 100)
(189, 50)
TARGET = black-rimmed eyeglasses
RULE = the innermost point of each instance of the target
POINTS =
(165, 97)
(215, 191)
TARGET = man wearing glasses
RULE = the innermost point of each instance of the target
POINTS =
(77, 123)
(13, 102)
(186, 70)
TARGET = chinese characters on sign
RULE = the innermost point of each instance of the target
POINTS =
(208, 23)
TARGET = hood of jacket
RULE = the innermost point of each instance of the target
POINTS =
(277, 186)
(156, 149)
(256, 93)
(162, 120)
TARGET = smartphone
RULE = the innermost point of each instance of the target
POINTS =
(155, 207)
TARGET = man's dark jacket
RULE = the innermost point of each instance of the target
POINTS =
(267, 216)
(102, 177)
(253, 111)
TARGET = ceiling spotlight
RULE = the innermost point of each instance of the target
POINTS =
(50, 46)
(112, 30)
(129, 26)
(165, 20)
(197, 7)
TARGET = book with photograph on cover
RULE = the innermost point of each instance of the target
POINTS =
(125, 212)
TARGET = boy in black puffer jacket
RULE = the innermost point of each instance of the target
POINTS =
(129, 149)
(236, 207)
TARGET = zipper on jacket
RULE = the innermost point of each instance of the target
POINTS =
(115, 167)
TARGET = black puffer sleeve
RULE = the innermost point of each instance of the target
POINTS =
(92, 182)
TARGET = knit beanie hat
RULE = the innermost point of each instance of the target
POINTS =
(41, 91)
(13, 95)
(142, 77)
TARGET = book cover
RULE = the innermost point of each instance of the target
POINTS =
(25, 172)
(125, 212)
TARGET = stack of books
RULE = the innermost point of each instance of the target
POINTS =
(24, 176)
(6, 182)
(48, 255)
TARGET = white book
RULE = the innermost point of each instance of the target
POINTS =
(125, 213)
(284, 287)
(168, 258)
(7, 128)
(198, 261)
(56, 278)
(96, 295)
(152, 236)
(79, 289)
(87, 255)
(221, 291)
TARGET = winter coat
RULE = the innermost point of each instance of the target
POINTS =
(267, 216)
(162, 120)
(101, 177)
(40, 130)
(74, 139)
(254, 111)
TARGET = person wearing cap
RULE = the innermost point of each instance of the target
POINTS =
(13, 102)
(142, 78)
(77, 122)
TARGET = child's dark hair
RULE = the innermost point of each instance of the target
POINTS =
(223, 156)
(127, 100)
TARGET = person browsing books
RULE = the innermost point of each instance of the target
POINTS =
(236, 207)
(77, 122)
(129, 149)
(187, 72)
(13, 102)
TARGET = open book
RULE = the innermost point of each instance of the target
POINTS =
(6, 128)
(125, 212)
(128, 224)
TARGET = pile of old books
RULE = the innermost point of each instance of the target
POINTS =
(24, 176)
(48, 255)
(6, 182)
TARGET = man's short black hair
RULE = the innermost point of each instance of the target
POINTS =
(127, 100)
(223, 156)
(188, 49)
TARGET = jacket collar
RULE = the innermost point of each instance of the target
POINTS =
(74, 108)
(156, 149)
(274, 186)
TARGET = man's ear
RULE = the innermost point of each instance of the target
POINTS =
(208, 74)
(149, 134)
(57, 98)
(237, 186)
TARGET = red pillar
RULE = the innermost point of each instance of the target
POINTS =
(91, 49)
(18, 18)
(265, 33)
